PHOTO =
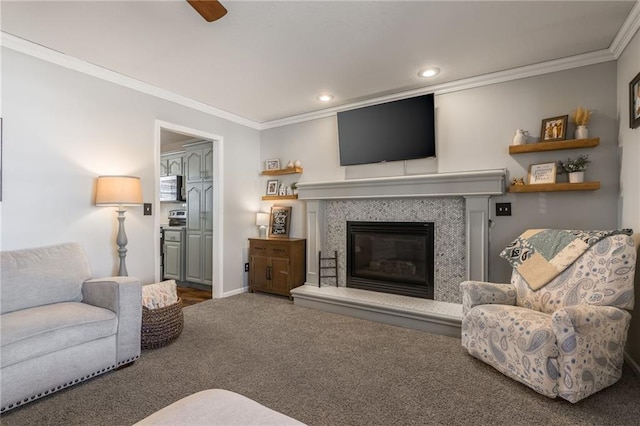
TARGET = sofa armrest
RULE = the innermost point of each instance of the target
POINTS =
(591, 343)
(476, 293)
(122, 295)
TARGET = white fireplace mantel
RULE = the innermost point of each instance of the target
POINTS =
(475, 186)
(480, 183)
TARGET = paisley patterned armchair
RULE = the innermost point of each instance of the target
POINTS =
(565, 339)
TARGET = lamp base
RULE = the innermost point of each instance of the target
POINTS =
(262, 231)
(122, 241)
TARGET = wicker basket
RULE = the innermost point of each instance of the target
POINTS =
(161, 326)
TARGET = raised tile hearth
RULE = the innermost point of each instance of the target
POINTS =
(410, 312)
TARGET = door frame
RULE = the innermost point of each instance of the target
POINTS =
(218, 196)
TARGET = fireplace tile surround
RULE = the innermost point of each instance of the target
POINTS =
(446, 213)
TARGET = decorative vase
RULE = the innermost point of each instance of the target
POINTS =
(576, 177)
(297, 163)
(290, 165)
(582, 132)
(520, 137)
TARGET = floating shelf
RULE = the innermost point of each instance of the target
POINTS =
(553, 187)
(279, 197)
(554, 146)
(289, 171)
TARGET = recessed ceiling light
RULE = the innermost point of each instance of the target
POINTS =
(325, 98)
(429, 72)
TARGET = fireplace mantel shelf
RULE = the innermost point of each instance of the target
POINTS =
(479, 183)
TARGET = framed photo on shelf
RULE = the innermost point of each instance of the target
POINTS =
(542, 173)
(634, 102)
(554, 129)
(272, 187)
(279, 222)
(273, 164)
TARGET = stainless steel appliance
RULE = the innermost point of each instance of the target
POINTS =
(171, 188)
(177, 217)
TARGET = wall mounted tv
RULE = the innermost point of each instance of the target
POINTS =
(392, 131)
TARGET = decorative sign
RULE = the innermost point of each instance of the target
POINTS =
(542, 173)
(279, 222)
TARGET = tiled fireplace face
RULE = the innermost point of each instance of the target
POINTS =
(448, 214)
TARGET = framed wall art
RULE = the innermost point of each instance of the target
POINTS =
(272, 187)
(279, 222)
(272, 164)
(542, 173)
(554, 129)
(634, 102)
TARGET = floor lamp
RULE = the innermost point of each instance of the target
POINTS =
(119, 191)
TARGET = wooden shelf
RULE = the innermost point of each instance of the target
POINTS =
(553, 187)
(279, 197)
(554, 146)
(279, 172)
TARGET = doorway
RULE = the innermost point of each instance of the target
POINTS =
(173, 138)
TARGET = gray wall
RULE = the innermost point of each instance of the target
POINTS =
(629, 210)
(474, 130)
(63, 128)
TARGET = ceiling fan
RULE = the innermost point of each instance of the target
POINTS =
(210, 10)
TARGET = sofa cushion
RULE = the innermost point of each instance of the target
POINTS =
(30, 333)
(41, 276)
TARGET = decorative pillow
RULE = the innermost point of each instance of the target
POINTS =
(159, 295)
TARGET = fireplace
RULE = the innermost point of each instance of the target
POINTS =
(391, 257)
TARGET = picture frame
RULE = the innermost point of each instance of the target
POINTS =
(634, 102)
(272, 187)
(542, 173)
(554, 129)
(279, 222)
(272, 164)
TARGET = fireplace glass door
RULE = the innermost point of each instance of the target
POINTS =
(391, 257)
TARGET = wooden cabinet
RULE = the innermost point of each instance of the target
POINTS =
(172, 164)
(554, 146)
(277, 266)
(199, 244)
(198, 160)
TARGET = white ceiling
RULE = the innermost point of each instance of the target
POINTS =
(268, 60)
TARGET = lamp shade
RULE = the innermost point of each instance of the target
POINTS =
(118, 191)
(262, 219)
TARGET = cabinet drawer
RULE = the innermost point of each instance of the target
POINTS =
(268, 248)
(172, 235)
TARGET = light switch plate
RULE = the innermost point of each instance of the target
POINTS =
(503, 209)
(147, 209)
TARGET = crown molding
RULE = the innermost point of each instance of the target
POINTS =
(627, 31)
(562, 64)
(49, 55)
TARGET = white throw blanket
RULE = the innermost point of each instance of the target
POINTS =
(159, 295)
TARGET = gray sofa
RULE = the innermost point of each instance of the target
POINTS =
(59, 327)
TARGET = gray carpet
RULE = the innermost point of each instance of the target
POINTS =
(322, 369)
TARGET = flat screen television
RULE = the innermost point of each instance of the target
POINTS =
(392, 131)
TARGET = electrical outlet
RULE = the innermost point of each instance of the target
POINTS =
(146, 209)
(246, 267)
(503, 209)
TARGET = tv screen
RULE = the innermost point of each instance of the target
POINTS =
(393, 131)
